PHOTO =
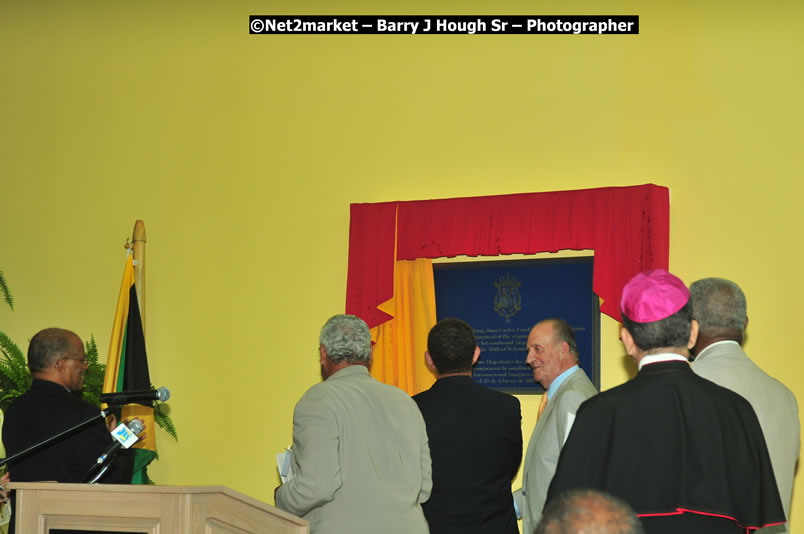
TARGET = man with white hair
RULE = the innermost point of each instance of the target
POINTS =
(719, 306)
(360, 453)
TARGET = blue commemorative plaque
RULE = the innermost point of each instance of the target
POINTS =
(502, 300)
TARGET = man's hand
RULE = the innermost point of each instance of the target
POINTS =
(4, 480)
(111, 422)
(141, 435)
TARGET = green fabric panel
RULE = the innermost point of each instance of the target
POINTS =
(142, 457)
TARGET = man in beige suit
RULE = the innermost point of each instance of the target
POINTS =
(553, 356)
(719, 306)
(360, 454)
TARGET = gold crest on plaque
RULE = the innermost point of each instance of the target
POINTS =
(507, 301)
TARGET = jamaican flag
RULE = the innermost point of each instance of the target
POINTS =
(127, 368)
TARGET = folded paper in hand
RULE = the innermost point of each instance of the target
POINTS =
(283, 463)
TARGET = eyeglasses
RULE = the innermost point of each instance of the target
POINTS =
(82, 361)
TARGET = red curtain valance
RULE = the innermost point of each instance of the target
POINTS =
(627, 227)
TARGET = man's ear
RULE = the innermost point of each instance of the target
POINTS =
(628, 341)
(693, 334)
(563, 349)
(322, 351)
(476, 356)
(428, 362)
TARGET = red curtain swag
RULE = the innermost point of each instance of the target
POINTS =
(627, 227)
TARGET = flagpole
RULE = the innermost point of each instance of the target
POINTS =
(139, 266)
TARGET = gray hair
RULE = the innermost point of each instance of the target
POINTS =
(670, 332)
(718, 304)
(346, 338)
(587, 511)
(562, 331)
(48, 346)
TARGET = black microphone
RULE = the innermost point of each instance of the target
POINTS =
(124, 437)
(121, 437)
(144, 395)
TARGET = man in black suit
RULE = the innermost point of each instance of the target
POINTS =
(58, 365)
(475, 439)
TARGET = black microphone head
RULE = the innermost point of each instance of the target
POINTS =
(162, 394)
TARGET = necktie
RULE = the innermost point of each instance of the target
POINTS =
(542, 404)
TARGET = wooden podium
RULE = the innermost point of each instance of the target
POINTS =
(42, 506)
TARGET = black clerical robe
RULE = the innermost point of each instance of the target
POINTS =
(687, 454)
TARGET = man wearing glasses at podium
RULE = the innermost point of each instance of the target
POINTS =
(58, 364)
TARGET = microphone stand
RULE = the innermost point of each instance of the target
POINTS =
(102, 464)
(51, 439)
(92, 476)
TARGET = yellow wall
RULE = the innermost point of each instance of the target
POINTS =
(242, 153)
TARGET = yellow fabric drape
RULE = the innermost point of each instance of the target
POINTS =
(118, 328)
(400, 343)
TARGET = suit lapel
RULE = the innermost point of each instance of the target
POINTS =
(544, 419)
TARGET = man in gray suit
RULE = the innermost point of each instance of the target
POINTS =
(719, 307)
(553, 356)
(360, 454)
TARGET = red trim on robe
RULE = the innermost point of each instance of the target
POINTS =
(681, 511)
